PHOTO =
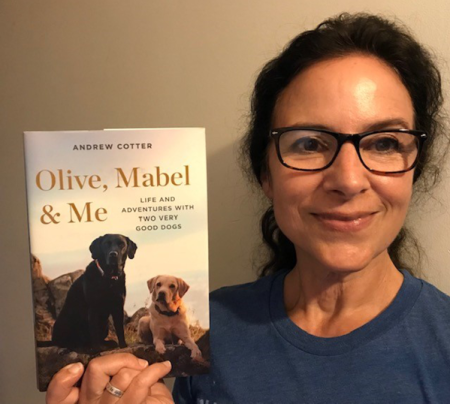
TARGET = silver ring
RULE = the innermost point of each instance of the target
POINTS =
(114, 390)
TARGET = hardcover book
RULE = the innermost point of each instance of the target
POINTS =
(119, 246)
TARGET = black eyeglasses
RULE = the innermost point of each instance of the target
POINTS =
(388, 151)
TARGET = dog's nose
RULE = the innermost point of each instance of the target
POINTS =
(113, 255)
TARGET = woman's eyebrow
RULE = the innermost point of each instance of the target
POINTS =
(390, 123)
(311, 125)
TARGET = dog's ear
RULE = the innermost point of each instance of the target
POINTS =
(151, 284)
(183, 287)
(95, 249)
(131, 249)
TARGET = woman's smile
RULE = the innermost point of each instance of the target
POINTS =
(345, 222)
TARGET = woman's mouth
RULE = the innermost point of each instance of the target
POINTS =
(345, 222)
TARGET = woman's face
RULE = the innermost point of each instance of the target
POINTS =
(344, 217)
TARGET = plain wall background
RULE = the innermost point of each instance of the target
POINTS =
(84, 64)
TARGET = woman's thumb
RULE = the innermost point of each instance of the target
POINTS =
(61, 389)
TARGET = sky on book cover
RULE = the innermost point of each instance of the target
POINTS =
(149, 185)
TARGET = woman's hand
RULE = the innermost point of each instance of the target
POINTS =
(132, 376)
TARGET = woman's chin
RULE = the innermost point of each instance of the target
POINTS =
(347, 260)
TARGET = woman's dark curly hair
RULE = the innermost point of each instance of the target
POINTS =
(339, 36)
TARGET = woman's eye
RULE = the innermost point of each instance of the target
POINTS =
(385, 144)
(308, 144)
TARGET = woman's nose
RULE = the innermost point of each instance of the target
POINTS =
(347, 176)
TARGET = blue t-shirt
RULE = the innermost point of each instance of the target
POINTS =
(260, 356)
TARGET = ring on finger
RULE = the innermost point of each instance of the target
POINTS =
(114, 390)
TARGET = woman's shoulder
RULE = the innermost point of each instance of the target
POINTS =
(432, 303)
(257, 289)
(432, 294)
(245, 301)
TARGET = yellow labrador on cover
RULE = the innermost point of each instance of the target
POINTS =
(167, 314)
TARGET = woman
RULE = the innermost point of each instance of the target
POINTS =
(343, 126)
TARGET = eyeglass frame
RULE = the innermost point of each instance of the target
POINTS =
(342, 138)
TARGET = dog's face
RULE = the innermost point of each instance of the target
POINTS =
(111, 251)
(167, 289)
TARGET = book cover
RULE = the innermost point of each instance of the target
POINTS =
(119, 246)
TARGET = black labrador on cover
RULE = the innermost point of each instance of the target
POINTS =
(94, 296)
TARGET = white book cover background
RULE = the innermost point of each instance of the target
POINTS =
(147, 184)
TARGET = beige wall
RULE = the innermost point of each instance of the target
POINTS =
(91, 64)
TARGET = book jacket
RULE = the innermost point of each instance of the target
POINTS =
(119, 246)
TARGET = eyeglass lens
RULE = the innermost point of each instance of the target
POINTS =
(312, 150)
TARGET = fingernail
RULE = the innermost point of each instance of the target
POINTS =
(143, 362)
(168, 364)
(74, 368)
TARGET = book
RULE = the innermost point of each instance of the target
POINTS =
(119, 246)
